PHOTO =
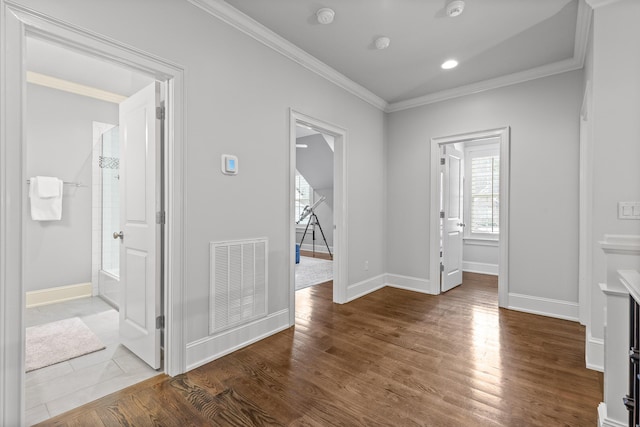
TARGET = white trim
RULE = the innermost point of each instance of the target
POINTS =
(365, 287)
(434, 211)
(480, 267)
(474, 241)
(581, 41)
(620, 244)
(594, 352)
(599, 3)
(409, 283)
(58, 294)
(496, 83)
(559, 309)
(604, 421)
(259, 32)
(213, 347)
(585, 243)
(18, 22)
(340, 232)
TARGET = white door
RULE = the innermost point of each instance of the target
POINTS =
(140, 264)
(452, 227)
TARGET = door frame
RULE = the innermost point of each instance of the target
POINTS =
(18, 23)
(339, 206)
(434, 249)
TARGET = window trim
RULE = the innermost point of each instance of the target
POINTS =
(477, 149)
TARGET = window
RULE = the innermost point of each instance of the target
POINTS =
(304, 196)
(482, 206)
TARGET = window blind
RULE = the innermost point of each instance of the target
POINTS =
(485, 194)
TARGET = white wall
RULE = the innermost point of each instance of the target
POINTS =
(480, 255)
(231, 81)
(59, 137)
(613, 67)
(543, 116)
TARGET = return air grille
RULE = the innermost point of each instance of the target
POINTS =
(238, 283)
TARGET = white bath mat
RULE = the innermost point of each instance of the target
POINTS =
(313, 271)
(59, 341)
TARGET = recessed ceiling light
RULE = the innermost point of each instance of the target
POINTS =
(325, 15)
(382, 42)
(449, 64)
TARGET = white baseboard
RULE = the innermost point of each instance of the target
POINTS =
(409, 283)
(320, 247)
(594, 352)
(58, 294)
(604, 421)
(480, 267)
(211, 348)
(566, 310)
(365, 287)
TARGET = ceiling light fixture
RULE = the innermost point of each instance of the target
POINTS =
(449, 64)
(382, 42)
(325, 15)
(302, 146)
(455, 8)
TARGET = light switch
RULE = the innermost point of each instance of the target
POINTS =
(628, 210)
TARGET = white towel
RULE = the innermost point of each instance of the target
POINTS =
(48, 186)
(45, 208)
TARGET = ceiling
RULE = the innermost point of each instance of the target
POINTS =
(491, 39)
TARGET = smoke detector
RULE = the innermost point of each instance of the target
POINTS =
(455, 8)
(325, 15)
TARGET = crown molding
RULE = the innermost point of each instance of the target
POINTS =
(583, 24)
(259, 32)
(498, 82)
(599, 3)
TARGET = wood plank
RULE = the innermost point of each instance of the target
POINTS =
(393, 357)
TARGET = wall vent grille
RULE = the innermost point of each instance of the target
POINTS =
(238, 283)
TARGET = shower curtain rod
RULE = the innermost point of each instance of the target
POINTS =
(75, 184)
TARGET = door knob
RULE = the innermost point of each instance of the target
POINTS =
(460, 224)
(117, 235)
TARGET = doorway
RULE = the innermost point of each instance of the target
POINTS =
(313, 207)
(312, 139)
(455, 224)
(79, 300)
(19, 24)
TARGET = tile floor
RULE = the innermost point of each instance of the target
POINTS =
(58, 388)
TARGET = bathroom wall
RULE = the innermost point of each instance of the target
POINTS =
(59, 136)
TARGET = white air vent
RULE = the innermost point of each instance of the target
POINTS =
(238, 283)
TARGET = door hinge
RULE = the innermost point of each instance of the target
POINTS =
(160, 113)
(160, 322)
(442, 161)
(440, 254)
(161, 217)
(441, 214)
(441, 267)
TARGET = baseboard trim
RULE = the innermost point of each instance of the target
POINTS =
(604, 421)
(480, 267)
(210, 348)
(594, 353)
(320, 247)
(409, 283)
(544, 306)
(365, 287)
(58, 294)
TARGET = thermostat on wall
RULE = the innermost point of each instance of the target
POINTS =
(229, 164)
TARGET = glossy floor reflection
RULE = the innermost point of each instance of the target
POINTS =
(391, 358)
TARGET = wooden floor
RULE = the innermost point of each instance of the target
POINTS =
(392, 358)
